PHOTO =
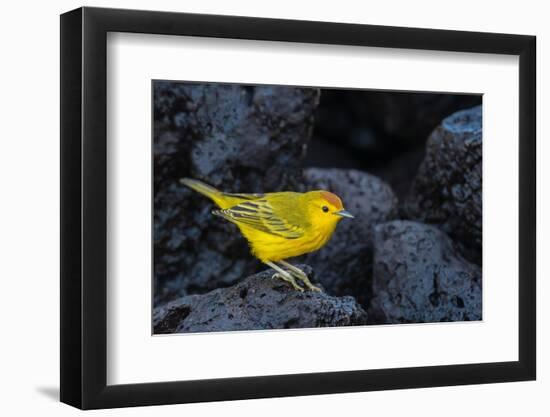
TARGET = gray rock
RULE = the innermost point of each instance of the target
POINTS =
(236, 138)
(419, 277)
(447, 190)
(258, 302)
(343, 265)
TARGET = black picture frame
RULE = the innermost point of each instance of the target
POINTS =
(84, 207)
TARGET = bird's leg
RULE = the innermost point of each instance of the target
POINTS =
(301, 275)
(284, 275)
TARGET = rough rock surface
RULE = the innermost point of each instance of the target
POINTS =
(447, 190)
(237, 138)
(418, 277)
(343, 265)
(257, 302)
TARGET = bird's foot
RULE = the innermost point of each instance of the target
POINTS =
(305, 279)
(301, 275)
(289, 279)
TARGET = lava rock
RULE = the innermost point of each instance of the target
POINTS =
(258, 302)
(419, 277)
(344, 264)
(238, 138)
(447, 190)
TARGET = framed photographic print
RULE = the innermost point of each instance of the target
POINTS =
(257, 208)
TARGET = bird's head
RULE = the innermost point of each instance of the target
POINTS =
(326, 208)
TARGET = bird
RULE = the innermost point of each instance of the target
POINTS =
(279, 225)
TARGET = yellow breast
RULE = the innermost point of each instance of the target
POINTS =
(268, 247)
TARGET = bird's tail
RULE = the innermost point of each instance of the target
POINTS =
(222, 200)
(201, 187)
(212, 193)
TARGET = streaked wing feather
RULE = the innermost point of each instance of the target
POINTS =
(260, 215)
(245, 196)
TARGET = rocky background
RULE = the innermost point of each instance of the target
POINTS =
(407, 165)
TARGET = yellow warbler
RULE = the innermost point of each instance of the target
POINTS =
(279, 225)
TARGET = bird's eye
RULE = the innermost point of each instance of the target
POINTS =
(325, 209)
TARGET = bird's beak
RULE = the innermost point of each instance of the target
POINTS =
(344, 213)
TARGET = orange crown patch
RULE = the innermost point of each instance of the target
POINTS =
(332, 199)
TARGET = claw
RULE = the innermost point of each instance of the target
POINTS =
(314, 288)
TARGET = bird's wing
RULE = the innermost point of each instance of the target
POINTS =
(260, 215)
(245, 197)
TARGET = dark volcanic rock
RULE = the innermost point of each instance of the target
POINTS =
(237, 138)
(447, 190)
(418, 277)
(343, 265)
(258, 302)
